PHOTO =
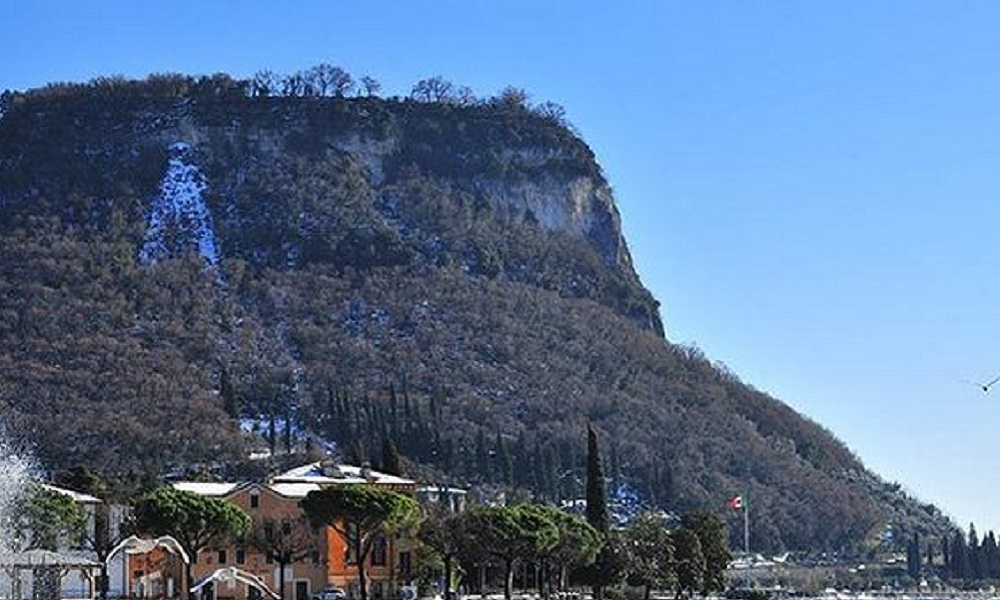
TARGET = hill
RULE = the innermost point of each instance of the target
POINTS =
(194, 267)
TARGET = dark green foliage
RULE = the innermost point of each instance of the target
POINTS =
(47, 519)
(360, 514)
(597, 504)
(714, 543)
(390, 458)
(576, 547)
(650, 553)
(509, 534)
(195, 521)
(690, 562)
(443, 533)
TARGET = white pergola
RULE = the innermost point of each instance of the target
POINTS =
(14, 563)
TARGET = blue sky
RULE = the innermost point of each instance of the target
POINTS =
(810, 189)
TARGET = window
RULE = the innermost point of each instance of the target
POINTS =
(254, 499)
(222, 557)
(404, 563)
(241, 556)
(379, 552)
(350, 553)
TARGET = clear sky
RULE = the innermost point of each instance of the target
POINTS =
(809, 188)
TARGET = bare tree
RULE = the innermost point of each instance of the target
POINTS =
(370, 85)
(341, 82)
(284, 541)
(293, 85)
(265, 83)
(434, 89)
(465, 96)
(328, 79)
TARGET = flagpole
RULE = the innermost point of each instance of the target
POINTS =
(746, 525)
(746, 540)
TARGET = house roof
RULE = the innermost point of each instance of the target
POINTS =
(204, 488)
(294, 489)
(325, 473)
(37, 557)
(298, 482)
(76, 496)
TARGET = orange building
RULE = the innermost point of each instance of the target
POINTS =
(319, 558)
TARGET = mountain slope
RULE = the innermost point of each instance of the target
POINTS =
(181, 259)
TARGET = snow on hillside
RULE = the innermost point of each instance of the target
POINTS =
(179, 218)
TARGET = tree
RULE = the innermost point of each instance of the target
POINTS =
(391, 463)
(608, 566)
(649, 551)
(195, 521)
(265, 83)
(689, 562)
(442, 532)
(913, 556)
(958, 564)
(370, 86)
(512, 99)
(360, 514)
(104, 535)
(577, 546)
(973, 558)
(283, 541)
(50, 519)
(714, 544)
(433, 89)
(327, 78)
(991, 556)
(597, 509)
(509, 533)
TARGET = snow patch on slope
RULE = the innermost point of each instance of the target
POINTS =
(179, 218)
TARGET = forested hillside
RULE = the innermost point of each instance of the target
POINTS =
(194, 268)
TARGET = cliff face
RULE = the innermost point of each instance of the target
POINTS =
(308, 170)
(189, 273)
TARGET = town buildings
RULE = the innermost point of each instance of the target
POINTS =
(283, 551)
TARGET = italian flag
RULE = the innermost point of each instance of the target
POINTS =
(736, 502)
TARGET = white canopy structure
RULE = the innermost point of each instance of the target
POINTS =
(137, 545)
(232, 575)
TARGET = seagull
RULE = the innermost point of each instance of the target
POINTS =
(986, 386)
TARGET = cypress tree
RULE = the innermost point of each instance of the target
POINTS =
(913, 557)
(505, 466)
(597, 508)
(230, 402)
(390, 458)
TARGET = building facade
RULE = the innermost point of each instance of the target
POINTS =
(283, 551)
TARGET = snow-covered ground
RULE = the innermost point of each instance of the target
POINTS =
(179, 217)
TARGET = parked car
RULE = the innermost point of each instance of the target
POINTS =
(330, 592)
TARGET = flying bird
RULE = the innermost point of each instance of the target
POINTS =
(986, 386)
